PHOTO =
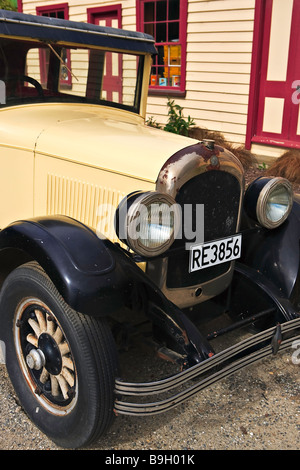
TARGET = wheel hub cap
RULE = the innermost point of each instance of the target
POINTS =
(50, 350)
(35, 359)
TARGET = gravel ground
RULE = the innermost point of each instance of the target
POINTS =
(255, 409)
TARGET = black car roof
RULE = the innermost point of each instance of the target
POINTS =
(53, 29)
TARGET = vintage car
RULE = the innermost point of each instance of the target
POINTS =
(108, 225)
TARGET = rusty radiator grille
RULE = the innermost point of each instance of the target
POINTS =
(220, 193)
(90, 204)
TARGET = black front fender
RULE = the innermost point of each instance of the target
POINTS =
(93, 275)
(82, 266)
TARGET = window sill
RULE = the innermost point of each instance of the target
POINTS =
(166, 92)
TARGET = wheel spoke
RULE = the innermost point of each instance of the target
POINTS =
(68, 376)
(63, 385)
(32, 340)
(67, 362)
(64, 348)
(44, 376)
(54, 386)
(50, 325)
(41, 320)
(58, 335)
(35, 326)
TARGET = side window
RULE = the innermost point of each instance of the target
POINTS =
(166, 21)
(60, 12)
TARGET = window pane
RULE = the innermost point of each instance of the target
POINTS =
(173, 32)
(161, 32)
(174, 11)
(149, 29)
(160, 60)
(161, 11)
(149, 9)
(175, 55)
(175, 65)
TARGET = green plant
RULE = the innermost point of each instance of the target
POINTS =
(262, 166)
(152, 123)
(8, 5)
(176, 122)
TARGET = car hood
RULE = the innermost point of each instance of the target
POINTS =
(97, 136)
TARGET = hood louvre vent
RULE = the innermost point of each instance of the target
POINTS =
(90, 204)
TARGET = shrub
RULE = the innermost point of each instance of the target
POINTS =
(176, 122)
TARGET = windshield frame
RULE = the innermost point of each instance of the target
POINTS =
(13, 53)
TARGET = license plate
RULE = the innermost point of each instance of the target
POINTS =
(220, 251)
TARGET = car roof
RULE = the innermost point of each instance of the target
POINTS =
(50, 29)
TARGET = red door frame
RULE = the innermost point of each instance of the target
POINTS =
(259, 18)
(259, 87)
(110, 82)
(110, 10)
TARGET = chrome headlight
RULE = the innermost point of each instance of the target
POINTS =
(269, 201)
(147, 222)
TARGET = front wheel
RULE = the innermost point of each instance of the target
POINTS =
(61, 363)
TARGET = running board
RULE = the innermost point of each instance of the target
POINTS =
(232, 354)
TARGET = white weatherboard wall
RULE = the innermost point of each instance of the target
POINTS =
(219, 49)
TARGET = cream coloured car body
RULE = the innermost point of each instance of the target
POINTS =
(78, 160)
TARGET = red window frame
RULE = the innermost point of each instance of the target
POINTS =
(54, 10)
(171, 59)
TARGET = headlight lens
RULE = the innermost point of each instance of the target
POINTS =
(269, 201)
(277, 204)
(147, 222)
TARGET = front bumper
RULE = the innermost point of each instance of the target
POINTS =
(208, 372)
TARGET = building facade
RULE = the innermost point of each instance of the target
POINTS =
(231, 64)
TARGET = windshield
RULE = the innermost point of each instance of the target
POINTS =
(34, 72)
